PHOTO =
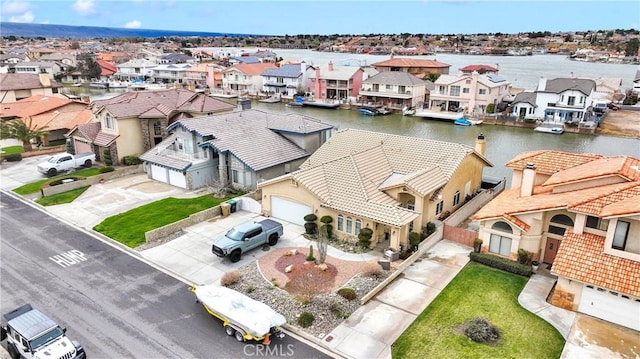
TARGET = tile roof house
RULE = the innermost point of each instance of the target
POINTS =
(14, 87)
(243, 78)
(336, 82)
(481, 69)
(579, 213)
(134, 122)
(394, 89)
(238, 149)
(417, 67)
(56, 115)
(472, 92)
(561, 100)
(392, 184)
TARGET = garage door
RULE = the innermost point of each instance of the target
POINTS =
(82, 147)
(288, 210)
(176, 178)
(159, 173)
(610, 306)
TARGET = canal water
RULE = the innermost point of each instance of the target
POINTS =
(503, 142)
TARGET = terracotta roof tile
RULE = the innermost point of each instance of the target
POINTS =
(252, 69)
(550, 162)
(409, 62)
(104, 139)
(520, 224)
(622, 166)
(623, 201)
(581, 257)
(33, 105)
(88, 131)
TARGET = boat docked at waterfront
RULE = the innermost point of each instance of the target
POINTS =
(320, 104)
(439, 115)
(372, 111)
(99, 84)
(466, 122)
(272, 99)
(554, 128)
(408, 111)
(117, 85)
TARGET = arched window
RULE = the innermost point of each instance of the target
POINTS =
(340, 222)
(500, 244)
(411, 204)
(358, 226)
(502, 227)
(349, 225)
(559, 224)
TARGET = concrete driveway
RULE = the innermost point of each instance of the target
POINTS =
(16, 174)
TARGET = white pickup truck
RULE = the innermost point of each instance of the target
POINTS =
(63, 162)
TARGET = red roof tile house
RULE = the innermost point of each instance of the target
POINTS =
(417, 67)
(336, 82)
(134, 122)
(580, 214)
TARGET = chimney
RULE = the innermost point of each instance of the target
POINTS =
(303, 67)
(481, 144)
(330, 66)
(528, 180)
(45, 80)
(542, 84)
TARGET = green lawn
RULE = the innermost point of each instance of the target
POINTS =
(60, 198)
(129, 227)
(479, 291)
(34, 187)
(10, 150)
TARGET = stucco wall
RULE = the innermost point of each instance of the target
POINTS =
(130, 141)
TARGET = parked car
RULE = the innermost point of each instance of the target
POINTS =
(247, 236)
(63, 162)
(31, 334)
(613, 106)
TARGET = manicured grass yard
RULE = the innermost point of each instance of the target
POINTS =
(479, 291)
(60, 198)
(34, 187)
(129, 227)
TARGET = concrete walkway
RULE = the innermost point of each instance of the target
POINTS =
(371, 330)
(533, 298)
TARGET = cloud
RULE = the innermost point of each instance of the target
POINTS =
(135, 24)
(84, 7)
(26, 17)
(15, 7)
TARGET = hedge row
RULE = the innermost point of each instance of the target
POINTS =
(501, 263)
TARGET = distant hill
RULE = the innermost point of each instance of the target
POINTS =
(65, 31)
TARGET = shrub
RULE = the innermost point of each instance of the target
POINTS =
(504, 264)
(310, 217)
(131, 160)
(347, 293)
(305, 319)
(372, 269)
(106, 169)
(364, 237)
(230, 278)
(524, 257)
(310, 257)
(480, 330)
(428, 230)
(477, 245)
(327, 228)
(338, 311)
(14, 157)
(414, 239)
(68, 146)
(106, 157)
(326, 219)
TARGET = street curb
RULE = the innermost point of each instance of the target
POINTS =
(311, 341)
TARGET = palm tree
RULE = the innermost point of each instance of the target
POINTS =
(22, 131)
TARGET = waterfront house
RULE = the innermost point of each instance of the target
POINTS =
(170, 73)
(420, 68)
(51, 68)
(238, 149)
(336, 82)
(471, 93)
(394, 89)
(561, 100)
(176, 58)
(241, 78)
(133, 122)
(391, 184)
(196, 76)
(580, 215)
(137, 69)
(14, 87)
(481, 69)
(286, 79)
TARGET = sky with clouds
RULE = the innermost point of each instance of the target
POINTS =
(276, 17)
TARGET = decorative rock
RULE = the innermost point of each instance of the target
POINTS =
(294, 252)
(323, 267)
(289, 268)
(288, 253)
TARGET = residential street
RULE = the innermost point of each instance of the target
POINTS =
(114, 304)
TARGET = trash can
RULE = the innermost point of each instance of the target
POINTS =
(225, 208)
(233, 204)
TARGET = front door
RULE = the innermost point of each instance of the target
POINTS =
(551, 250)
